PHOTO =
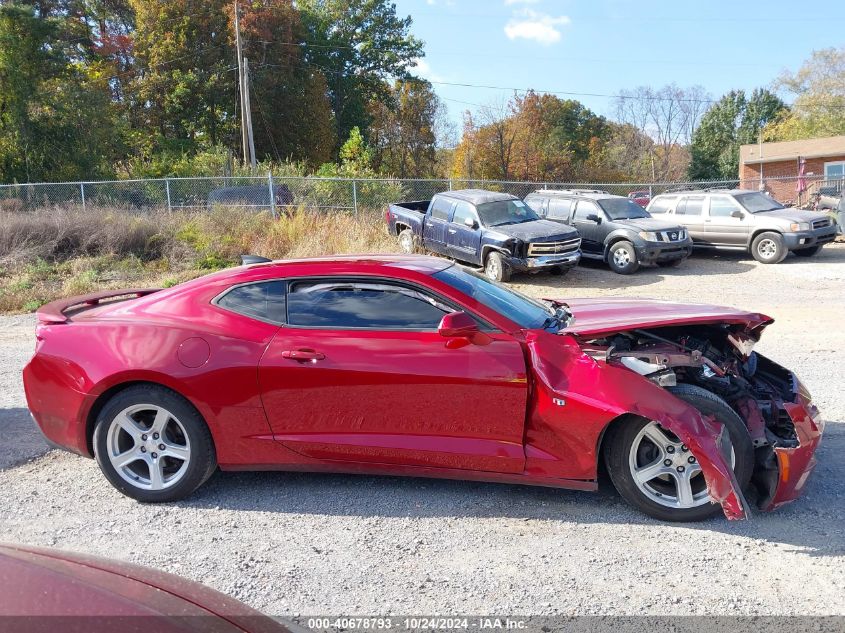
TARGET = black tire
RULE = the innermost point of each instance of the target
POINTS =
(622, 258)
(202, 459)
(769, 248)
(408, 242)
(617, 448)
(808, 252)
(496, 268)
(672, 263)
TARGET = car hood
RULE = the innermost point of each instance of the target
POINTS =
(649, 224)
(791, 214)
(542, 230)
(602, 316)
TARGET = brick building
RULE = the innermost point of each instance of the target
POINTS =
(778, 163)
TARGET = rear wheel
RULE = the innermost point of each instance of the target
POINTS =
(622, 258)
(655, 472)
(152, 445)
(407, 241)
(808, 252)
(495, 267)
(768, 248)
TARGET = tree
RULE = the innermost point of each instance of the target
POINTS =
(732, 121)
(403, 132)
(56, 119)
(358, 45)
(819, 105)
(669, 116)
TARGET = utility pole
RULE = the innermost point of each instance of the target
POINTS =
(241, 91)
(248, 114)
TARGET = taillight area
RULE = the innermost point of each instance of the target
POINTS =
(41, 331)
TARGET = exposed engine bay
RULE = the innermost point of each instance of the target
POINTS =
(718, 358)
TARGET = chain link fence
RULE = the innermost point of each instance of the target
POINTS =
(280, 194)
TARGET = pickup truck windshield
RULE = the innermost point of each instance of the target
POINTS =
(622, 209)
(758, 202)
(505, 212)
(522, 310)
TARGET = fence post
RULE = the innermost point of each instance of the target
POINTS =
(450, 184)
(82, 193)
(272, 196)
(355, 195)
(167, 189)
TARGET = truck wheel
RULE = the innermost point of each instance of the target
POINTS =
(808, 252)
(622, 258)
(408, 241)
(496, 268)
(768, 248)
(654, 471)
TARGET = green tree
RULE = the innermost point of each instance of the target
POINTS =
(819, 105)
(358, 45)
(56, 118)
(732, 121)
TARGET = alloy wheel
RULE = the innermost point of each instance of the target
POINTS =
(621, 257)
(767, 249)
(148, 447)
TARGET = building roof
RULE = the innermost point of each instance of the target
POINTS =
(478, 196)
(791, 150)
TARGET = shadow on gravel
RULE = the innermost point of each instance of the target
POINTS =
(20, 439)
(815, 523)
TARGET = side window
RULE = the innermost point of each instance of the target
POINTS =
(537, 204)
(441, 208)
(559, 209)
(690, 205)
(661, 205)
(463, 210)
(585, 208)
(722, 206)
(371, 305)
(265, 301)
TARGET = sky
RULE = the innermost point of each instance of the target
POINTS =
(603, 46)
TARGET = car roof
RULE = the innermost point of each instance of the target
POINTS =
(684, 192)
(478, 196)
(591, 194)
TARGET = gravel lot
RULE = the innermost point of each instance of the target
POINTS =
(325, 544)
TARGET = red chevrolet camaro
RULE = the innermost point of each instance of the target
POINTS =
(416, 366)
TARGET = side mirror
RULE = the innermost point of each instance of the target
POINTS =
(594, 218)
(736, 213)
(460, 325)
(471, 223)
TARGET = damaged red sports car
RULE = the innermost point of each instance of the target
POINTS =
(417, 366)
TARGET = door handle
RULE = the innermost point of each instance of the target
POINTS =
(303, 355)
(453, 231)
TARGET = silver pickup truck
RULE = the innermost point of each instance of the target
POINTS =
(747, 220)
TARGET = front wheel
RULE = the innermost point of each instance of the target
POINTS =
(496, 268)
(658, 474)
(808, 252)
(769, 248)
(622, 258)
(152, 445)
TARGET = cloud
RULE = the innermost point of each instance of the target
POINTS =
(423, 69)
(532, 25)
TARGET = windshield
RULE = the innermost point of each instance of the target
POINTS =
(526, 312)
(505, 212)
(622, 209)
(757, 202)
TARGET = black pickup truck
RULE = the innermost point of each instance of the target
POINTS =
(495, 230)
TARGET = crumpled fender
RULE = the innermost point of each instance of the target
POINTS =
(562, 370)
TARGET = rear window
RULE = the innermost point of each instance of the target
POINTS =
(441, 208)
(264, 301)
(661, 205)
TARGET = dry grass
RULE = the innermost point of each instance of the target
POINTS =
(64, 252)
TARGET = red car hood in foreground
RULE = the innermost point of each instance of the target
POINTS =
(47, 589)
(604, 315)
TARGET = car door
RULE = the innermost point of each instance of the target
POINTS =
(689, 212)
(727, 224)
(590, 231)
(359, 373)
(435, 223)
(463, 239)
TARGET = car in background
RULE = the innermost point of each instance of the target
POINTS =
(745, 220)
(614, 229)
(48, 589)
(494, 230)
(641, 197)
(414, 365)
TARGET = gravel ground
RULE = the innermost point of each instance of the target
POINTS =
(330, 544)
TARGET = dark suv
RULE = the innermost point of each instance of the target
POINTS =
(614, 229)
